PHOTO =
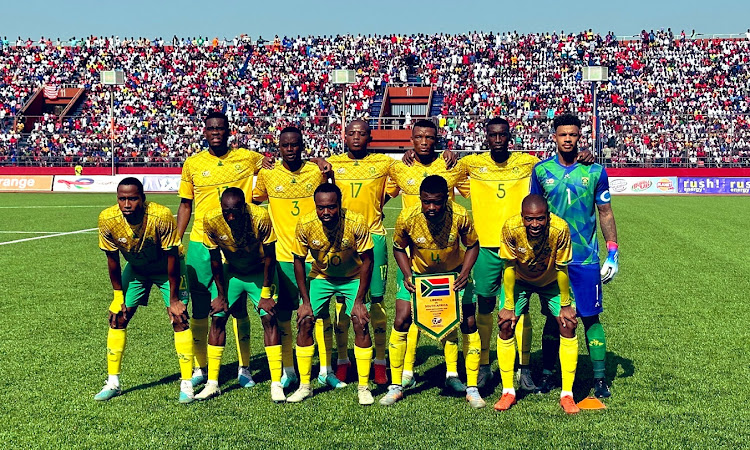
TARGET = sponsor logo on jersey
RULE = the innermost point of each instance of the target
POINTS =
(411, 181)
(123, 240)
(340, 170)
(315, 242)
(279, 188)
(549, 181)
(223, 237)
(521, 249)
(420, 240)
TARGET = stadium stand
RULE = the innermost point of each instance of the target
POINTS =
(671, 100)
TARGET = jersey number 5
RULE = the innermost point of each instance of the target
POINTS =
(500, 191)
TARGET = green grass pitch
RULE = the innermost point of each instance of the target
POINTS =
(676, 321)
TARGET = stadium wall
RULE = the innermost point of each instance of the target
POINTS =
(630, 181)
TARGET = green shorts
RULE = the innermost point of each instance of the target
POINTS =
(137, 287)
(468, 294)
(288, 291)
(322, 289)
(549, 297)
(488, 272)
(239, 284)
(380, 266)
(200, 279)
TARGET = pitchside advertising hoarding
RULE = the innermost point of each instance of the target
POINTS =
(96, 183)
(713, 185)
(38, 183)
(643, 185)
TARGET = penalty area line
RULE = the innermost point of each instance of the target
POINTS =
(48, 236)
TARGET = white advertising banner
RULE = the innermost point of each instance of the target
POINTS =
(161, 183)
(643, 185)
(93, 183)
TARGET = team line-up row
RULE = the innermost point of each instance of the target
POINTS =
(533, 230)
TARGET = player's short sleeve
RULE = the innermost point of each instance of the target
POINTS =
(167, 229)
(186, 182)
(564, 253)
(106, 239)
(391, 187)
(265, 229)
(260, 193)
(602, 188)
(507, 243)
(299, 246)
(535, 186)
(467, 231)
(257, 161)
(463, 185)
(208, 235)
(362, 237)
(400, 233)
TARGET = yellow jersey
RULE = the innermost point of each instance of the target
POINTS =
(290, 196)
(433, 247)
(536, 259)
(335, 252)
(243, 248)
(406, 180)
(143, 246)
(496, 190)
(362, 183)
(205, 177)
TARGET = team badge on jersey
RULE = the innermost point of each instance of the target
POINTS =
(238, 168)
(585, 181)
(344, 242)
(309, 187)
(373, 171)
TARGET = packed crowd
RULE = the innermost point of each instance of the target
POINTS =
(671, 98)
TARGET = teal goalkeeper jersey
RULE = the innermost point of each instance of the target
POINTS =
(573, 193)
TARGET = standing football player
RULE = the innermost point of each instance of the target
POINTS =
(576, 193)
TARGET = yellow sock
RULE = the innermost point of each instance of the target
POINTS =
(342, 331)
(484, 324)
(506, 359)
(242, 335)
(378, 320)
(363, 355)
(304, 362)
(183, 343)
(450, 348)
(287, 351)
(568, 361)
(523, 338)
(412, 341)
(324, 339)
(214, 352)
(472, 345)
(273, 354)
(200, 340)
(396, 349)
(115, 347)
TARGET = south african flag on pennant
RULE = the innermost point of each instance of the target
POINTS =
(435, 305)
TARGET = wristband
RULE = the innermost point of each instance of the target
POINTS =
(266, 292)
(611, 245)
(116, 305)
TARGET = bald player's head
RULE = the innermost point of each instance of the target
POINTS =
(357, 136)
(535, 214)
(233, 205)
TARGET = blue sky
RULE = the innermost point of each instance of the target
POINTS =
(267, 18)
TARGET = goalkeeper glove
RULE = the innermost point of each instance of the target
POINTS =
(610, 267)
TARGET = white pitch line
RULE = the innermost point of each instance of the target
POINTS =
(32, 232)
(51, 206)
(48, 236)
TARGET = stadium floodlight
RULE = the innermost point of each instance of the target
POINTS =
(112, 78)
(595, 75)
(344, 77)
